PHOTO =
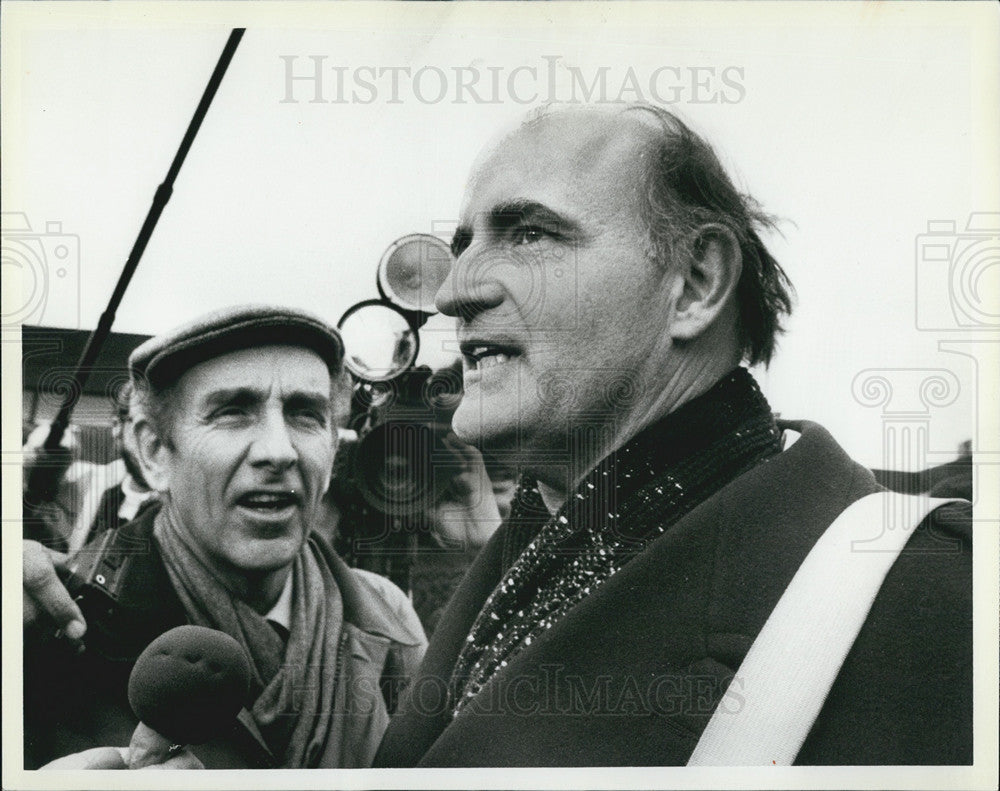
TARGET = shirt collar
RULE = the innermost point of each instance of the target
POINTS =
(132, 498)
(281, 612)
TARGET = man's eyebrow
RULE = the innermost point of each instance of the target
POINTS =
(248, 396)
(510, 214)
(307, 399)
(513, 213)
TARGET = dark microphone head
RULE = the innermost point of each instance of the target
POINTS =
(190, 683)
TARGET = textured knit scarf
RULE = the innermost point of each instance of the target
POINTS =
(631, 497)
(292, 686)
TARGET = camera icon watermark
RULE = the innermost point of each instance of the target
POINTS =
(958, 275)
(908, 398)
(41, 273)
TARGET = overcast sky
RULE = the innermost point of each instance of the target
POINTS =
(857, 125)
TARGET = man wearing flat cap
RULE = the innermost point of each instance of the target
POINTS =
(235, 432)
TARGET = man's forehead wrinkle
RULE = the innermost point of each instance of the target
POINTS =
(588, 128)
(586, 167)
(585, 131)
(477, 174)
(248, 382)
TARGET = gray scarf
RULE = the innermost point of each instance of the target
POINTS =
(292, 685)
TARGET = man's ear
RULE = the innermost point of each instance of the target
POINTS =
(708, 281)
(153, 454)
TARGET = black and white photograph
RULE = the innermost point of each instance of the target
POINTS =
(501, 394)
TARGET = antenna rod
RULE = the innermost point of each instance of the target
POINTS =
(47, 470)
(163, 193)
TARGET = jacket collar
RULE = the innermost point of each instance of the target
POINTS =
(364, 606)
(125, 593)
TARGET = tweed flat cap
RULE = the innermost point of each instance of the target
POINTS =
(162, 360)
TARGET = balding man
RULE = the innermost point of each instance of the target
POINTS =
(609, 282)
(235, 432)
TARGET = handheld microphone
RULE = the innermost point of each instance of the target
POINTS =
(186, 687)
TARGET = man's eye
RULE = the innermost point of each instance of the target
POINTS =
(229, 413)
(528, 234)
(310, 417)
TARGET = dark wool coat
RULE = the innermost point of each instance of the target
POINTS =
(75, 701)
(632, 674)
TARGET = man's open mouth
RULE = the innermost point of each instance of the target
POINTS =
(482, 356)
(268, 502)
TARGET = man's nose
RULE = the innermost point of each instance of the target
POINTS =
(272, 445)
(469, 288)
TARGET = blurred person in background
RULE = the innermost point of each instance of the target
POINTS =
(70, 500)
(124, 501)
(409, 499)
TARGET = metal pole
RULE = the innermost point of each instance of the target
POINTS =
(163, 193)
(40, 478)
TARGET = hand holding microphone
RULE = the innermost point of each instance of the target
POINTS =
(186, 687)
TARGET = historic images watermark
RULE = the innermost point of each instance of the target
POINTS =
(41, 269)
(318, 79)
(957, 274)
(550, 690)
(957, 286)
(956, 297)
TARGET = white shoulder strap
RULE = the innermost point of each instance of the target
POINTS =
(777, 693)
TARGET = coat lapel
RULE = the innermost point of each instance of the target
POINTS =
(633, 673)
